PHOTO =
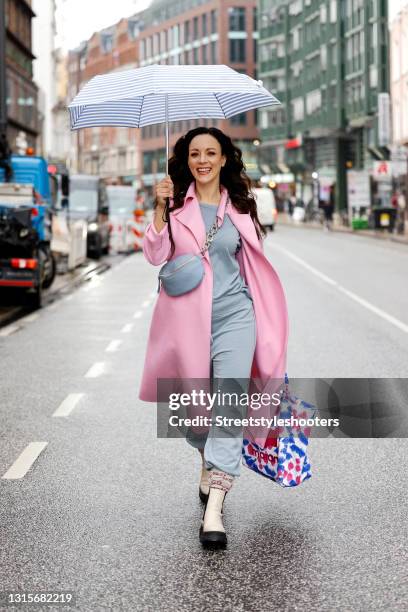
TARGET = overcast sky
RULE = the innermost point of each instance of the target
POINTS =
(77, 20)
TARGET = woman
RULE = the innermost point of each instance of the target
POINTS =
(233, 326)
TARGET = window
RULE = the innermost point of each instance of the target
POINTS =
(333, 11)
(214, 52)
(106, 43)
(195, 28)
(239, 119)
(176, 32)
(298, 109)
(195, 56)
(323, 57)
(313, 101)
(187, 32)
(205, 54)
(237, 50)
(334, 54)
(373, 78)
(204, 24)
(156, 44)
(163, 41)
(255, 19)
(237, 19)
(133, 28)
(296, 38)
(213, 21)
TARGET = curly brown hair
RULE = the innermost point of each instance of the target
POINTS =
(232, 176)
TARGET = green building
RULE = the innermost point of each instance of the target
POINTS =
(326, 61)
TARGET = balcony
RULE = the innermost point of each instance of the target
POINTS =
(273, 30)
(272, 64)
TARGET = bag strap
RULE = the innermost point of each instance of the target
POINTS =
(210, 235)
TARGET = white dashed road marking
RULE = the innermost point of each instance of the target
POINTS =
(127, 328)
(96, 370)
(67, 406)
(23, 463)
(138, 314)
(113, 346)
(365, 303)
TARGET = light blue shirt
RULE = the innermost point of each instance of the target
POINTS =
(230, 293)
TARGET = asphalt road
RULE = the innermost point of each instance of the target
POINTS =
(111, 513)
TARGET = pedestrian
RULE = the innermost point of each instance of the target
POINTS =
(401, 207)
(234, 324)
(328, 209)
(292, 203)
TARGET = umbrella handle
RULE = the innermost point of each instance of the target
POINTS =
(166, 211)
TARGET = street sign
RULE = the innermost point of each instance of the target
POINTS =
(382, 170)
(358, 189)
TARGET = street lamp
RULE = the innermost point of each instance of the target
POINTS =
(256, 142)
(315, 177)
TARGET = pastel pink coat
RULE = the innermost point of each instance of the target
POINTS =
(179, 338)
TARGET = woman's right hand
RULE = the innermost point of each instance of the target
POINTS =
(164, 189)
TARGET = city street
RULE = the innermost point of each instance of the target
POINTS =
(99, 507)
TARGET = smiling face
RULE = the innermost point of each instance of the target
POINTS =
(205, 159)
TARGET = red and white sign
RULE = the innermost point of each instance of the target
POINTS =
(294, 143)
(382, 170)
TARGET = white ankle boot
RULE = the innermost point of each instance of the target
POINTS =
(204, 488)
(212, 531)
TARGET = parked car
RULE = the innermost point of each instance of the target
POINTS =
(122, 204)
(88, 200)
(266, 206)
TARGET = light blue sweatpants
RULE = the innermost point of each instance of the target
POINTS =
(233, 340)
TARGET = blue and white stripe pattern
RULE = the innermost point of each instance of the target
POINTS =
(135, 98)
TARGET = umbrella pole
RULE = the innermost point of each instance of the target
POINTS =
(166, 112)
(166, 115)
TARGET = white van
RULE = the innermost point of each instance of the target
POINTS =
(266, 206)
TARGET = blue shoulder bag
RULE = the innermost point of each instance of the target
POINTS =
(185, 272)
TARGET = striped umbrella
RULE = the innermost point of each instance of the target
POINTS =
(162, 93)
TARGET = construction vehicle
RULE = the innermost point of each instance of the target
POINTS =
(27, 203)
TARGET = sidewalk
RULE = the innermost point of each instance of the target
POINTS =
(285, 219)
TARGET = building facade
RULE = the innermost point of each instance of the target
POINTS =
(199, 32)
(62, 133)
(399, 76)
(44, 69)
(23, 121)
(109, 152)
(399, 96)
(327, 62)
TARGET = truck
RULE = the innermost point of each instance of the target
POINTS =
(26, 211)
(123, 207)
(69, 236)
(88, 201)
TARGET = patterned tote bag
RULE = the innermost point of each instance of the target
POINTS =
(283, 458)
